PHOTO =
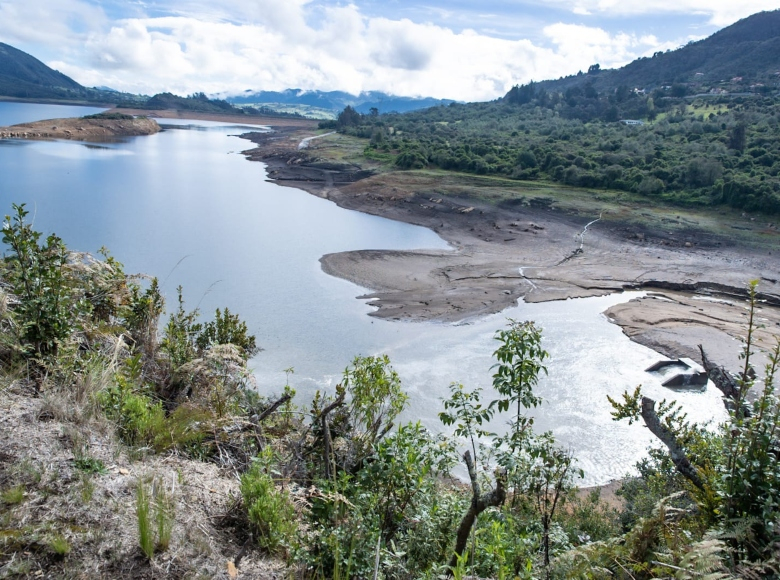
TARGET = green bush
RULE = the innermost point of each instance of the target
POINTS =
(47, 310)
(270, 510)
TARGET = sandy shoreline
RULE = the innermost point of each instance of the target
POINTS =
(505, 253)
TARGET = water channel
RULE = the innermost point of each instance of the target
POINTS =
(186, 206)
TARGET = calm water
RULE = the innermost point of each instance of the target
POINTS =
(186, 206)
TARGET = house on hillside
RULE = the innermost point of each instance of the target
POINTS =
(632, 122)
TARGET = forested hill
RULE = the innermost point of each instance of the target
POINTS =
(691, 142)
(24, 76)
(738, 57)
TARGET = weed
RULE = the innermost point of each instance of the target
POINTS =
(270, 510)
(155, 510)
(164, 508)
(13, 496)
(89, 465)
(59, 545)
(143, 515)
(87, 487)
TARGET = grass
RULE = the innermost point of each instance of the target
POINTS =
(155, 514)
(13, 496)
(143, 516)
(59, 545)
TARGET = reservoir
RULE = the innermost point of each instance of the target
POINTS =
(184, 205)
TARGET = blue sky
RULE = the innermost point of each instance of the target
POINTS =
(458, 49)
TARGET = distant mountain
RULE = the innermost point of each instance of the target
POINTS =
(336, 101)
(742, 55)
(24, 76)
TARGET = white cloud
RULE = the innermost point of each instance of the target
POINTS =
(341, 49)
(720, 12)
(587, 45)
(220, 46)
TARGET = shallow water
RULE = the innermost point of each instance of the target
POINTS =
(186, 206)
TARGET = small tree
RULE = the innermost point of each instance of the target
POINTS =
(47, 312)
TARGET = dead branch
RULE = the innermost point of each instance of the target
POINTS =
(725, 384)
(680, 460)
(272, 408)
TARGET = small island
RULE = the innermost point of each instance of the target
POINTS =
(89, 128)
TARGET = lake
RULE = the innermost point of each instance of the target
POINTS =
(186, 206)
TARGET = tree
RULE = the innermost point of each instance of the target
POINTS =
(47, 310)
(520, 361)
(349, 117)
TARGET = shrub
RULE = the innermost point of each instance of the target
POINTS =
(270, 510)
(46, 312)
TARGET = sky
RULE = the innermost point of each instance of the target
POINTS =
(458, 49)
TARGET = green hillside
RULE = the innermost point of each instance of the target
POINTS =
(707, 149)
(748, 50)
(24, 76)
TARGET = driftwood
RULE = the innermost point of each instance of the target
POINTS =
(479, 503)
(677, 454)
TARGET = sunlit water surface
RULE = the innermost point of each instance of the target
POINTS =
(185, 206)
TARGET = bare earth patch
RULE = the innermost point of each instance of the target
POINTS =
(90, 513)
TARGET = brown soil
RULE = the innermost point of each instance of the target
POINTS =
(95, 512)
(505, 252)
(79, 129)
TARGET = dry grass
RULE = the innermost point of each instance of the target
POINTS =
(73, 522)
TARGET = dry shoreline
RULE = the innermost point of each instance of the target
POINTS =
(81, 129)
(503, 253)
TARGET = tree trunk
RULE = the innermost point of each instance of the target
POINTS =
(680, 460)
(478, 505)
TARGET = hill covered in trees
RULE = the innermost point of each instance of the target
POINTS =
(24, 76)
(714, 148)
(744, 56)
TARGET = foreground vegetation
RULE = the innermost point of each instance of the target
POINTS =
(339, 489)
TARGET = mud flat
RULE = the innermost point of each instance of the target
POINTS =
(503, 252)
(81, 129)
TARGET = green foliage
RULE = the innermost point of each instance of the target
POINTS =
(47, 311)
(144, 520)
(464, 410)
(180, 334)
(13, 496)
(738, 466)
(143, 314)
(155, 514)
(402, 470)
(701, 152)
(270, 510)
(227, 328)
(520, 361)
(184, 338)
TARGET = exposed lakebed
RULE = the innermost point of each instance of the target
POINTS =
(185, 206)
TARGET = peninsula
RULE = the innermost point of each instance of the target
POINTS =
(91, 128)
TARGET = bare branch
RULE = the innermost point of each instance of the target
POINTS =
(680, 460)
(725, 384)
